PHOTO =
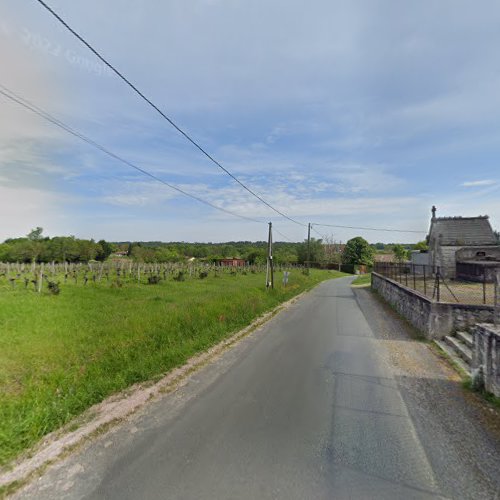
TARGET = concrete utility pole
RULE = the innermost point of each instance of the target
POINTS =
(309, 245)
(270, 267)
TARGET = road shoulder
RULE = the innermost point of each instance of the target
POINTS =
(460, 431)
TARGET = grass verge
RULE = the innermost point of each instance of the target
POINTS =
(488, 396)
(363, 279)
(59, 355)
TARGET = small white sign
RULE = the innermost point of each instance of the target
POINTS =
(285, 277)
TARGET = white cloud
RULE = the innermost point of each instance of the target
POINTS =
(328, 112)
(137, 193)
(484, 182)
(25, 208)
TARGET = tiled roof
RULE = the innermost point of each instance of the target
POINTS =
(384, 257)
(456, 231)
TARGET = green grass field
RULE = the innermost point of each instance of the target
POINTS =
(60, 354)
(363, 279)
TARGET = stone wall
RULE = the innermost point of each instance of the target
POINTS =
(487, 355)
(486, 253)
(465, 316)
(447, 261)
(434, 320)
(412, 305)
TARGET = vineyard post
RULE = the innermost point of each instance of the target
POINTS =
(40, 280)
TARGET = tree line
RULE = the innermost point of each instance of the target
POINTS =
(35, 247)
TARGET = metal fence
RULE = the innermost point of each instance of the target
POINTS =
(429, 281)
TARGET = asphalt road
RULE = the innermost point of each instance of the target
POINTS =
(309, 407)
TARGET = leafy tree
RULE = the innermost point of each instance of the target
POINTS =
(22, 250)
(4, 252)
(358, 252)
(88, 250)
(316, 251)
(105, 251)
(229, 251)
(257, 256)
(35, 234)
(167, 254)
(421, 245)
(283, 256)
(63, 249)
(400, 252)
(332, 251)
(143, 254)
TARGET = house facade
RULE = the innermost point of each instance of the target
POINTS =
(454, 241)
(232, 262)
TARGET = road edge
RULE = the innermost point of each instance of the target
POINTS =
(117, 407)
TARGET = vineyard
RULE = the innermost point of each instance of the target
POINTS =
(52, 277)
(72, 334)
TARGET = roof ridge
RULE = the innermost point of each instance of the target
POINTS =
(459, 217)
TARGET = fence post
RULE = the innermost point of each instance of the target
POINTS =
(496, 309)
(425, 283)
(484, 286)
(414, 277)
(438, 291)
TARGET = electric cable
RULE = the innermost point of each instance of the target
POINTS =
(162, 114)
(45, 115)
(319, 234)
(282, 235)
(370, 228)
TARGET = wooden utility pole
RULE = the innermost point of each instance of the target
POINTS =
(309, 245)
(270, 267)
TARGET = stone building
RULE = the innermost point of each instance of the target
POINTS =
(464, 243)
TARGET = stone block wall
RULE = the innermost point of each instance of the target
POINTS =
(415, 307)
(464, 316)
(448, 261)
(434, 320)
(487, 355)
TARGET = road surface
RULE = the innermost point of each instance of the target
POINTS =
(317, 404)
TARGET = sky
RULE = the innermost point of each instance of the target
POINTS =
(352, 113)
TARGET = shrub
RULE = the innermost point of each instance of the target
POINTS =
(180, 276)
(54, 288)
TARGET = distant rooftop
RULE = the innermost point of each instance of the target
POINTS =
(456, 231)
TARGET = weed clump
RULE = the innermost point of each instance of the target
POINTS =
(54, 288)
(180, 276)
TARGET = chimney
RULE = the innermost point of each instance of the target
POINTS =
(433, 212)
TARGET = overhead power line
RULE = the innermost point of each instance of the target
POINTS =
(371, 228)
(162, 114)
(318, 233)
(283, 236)
(45, 115)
